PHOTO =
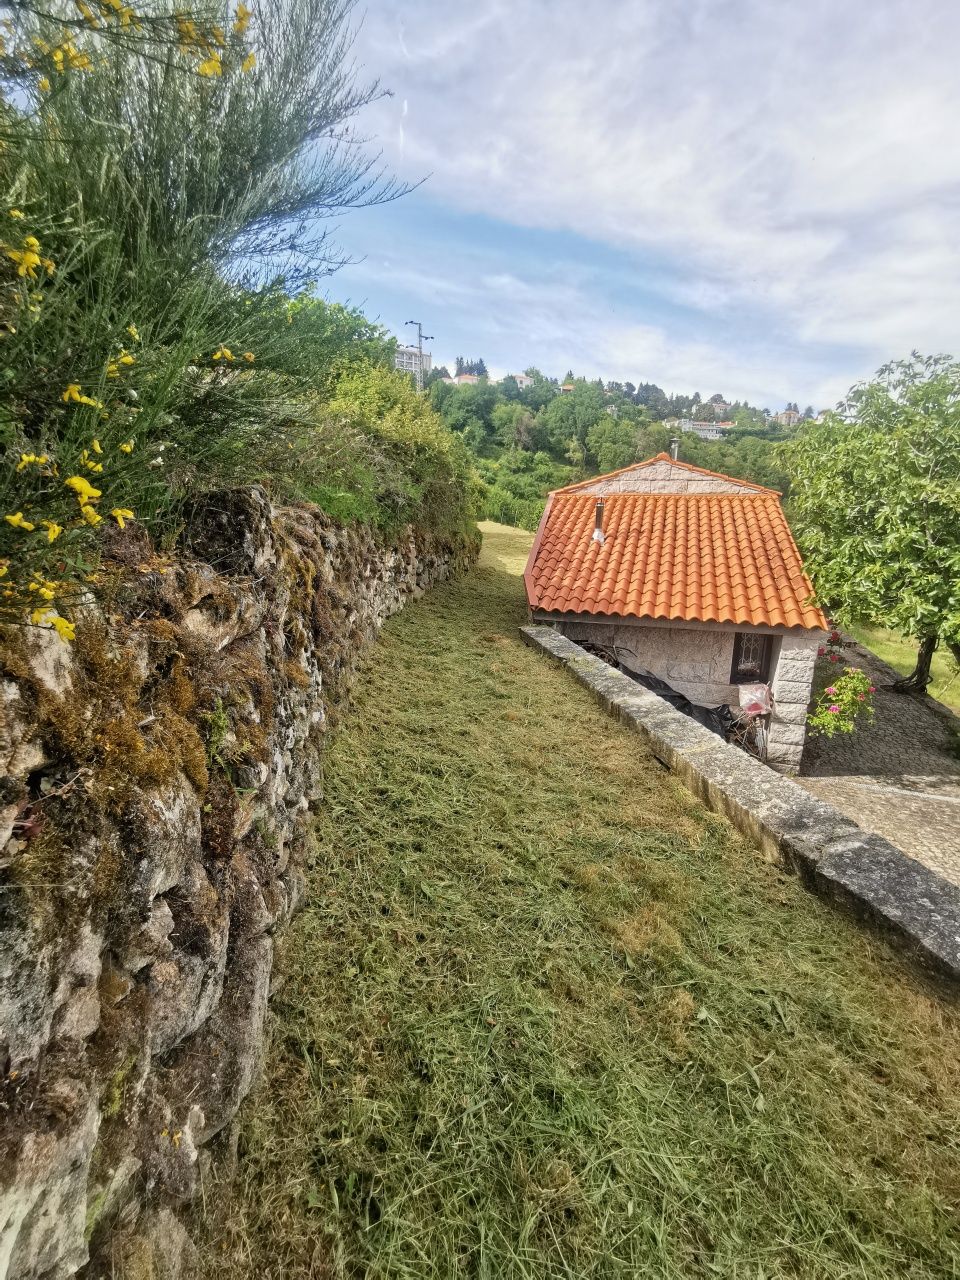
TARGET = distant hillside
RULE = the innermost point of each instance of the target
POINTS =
(531, 439)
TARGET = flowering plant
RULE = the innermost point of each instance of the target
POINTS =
(833, 649)
(842, 704)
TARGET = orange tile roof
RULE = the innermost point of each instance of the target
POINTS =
(580, 485)
(705, 557)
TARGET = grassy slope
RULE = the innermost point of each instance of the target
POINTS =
(544, 1016)
(901, 654)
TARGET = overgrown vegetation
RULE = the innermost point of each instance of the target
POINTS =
(164, 179)
(544, 1016)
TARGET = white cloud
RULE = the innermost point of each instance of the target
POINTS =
(795, 160)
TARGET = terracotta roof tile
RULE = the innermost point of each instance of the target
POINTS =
(705, 557)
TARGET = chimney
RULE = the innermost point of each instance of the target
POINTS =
(598, 534)
(674, 447)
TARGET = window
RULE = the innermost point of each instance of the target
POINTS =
(751, 658)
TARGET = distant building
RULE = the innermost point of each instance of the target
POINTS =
(566, 388)
(408, 359)
(789, 418)
(522, 380)
(706, 430)
(466, 379)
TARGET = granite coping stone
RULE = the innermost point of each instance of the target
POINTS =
(865, 874)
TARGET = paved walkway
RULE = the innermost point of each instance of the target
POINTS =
(899, 777)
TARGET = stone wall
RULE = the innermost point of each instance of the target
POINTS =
(663, 477)
(696, 660)
(154, 816)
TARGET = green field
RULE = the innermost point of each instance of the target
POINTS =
(900, 653)
(544, 1016)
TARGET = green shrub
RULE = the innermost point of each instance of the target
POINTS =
(163, 184)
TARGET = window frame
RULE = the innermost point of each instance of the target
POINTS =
(766, 663)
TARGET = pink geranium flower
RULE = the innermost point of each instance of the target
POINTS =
(831, 691)
(834, 657)
(861, 696)
(872, 689)
(821, 651)
(834, 709)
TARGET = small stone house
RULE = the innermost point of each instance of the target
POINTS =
(691, 575)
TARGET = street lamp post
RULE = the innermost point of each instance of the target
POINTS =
(421, 336)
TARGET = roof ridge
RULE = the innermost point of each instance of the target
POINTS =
(674, 462)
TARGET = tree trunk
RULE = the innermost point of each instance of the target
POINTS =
(919, 677)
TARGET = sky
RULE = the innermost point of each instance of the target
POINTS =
(746, 196)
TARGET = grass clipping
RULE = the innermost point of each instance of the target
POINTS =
(545, 1016)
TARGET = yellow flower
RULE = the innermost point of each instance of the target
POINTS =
(223, 354)
(45, 616)
(4, 568)
(27, 459)
(211, 66)
(120, 514)
(243, 20)
(95, 446)
(15, 213)
(249, 357)
(72, 394)
(113, 369)
(53, 530)
(218, 36)
(134, 332)
(89, 514)
(249, 62)
(27, 258)
(127, 446)
(18, 522)
(126, 358)
(83, 489)
(65, 629)
(43, 84)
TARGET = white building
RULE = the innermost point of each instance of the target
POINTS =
(706, 430)
(408, 359)
(522, 380)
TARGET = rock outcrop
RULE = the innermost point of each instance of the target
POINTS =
(154, 814)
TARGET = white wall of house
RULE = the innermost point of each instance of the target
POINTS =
(695, 659)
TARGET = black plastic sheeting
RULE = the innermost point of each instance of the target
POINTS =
(718, 720)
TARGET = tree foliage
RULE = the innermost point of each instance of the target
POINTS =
(875, 500)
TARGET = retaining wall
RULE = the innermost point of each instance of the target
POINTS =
(154, 815)
(862, 872)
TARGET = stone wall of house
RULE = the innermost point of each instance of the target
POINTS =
(792, 683)
(663, 477)
(154, 816)
(696, 661)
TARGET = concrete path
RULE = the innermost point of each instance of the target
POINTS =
(900, 776)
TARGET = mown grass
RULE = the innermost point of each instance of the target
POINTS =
(901, 654)
(544, 1016)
